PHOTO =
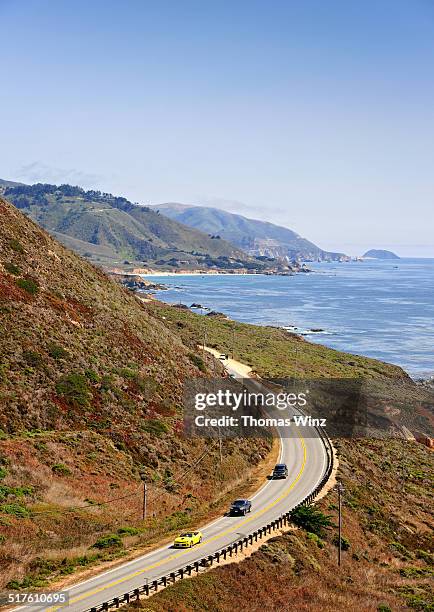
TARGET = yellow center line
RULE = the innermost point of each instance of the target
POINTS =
(188, 550)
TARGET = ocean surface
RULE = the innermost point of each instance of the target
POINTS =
(382, 309)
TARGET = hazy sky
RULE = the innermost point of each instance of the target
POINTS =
(318, 115)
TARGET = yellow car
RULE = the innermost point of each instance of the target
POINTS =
(188, 539)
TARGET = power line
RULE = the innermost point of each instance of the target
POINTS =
(109, 501)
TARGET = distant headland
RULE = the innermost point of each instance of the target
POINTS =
(380, 254)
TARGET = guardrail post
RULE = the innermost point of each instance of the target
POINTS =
(147, 590)
(105, 606)
(225, 552)
(155, 585)
(181, 573)
(173, 576)
(164, 580)
(217, 556)
(116, 602)
(196, 566)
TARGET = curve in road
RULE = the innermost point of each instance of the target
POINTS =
(306, 458)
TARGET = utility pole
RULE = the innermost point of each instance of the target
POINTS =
(144, 500)
(233, 343)
(340, 489)
(220, 445)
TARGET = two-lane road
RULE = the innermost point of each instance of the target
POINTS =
(306, 458)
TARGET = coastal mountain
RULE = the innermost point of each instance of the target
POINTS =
(111, 230)
(252, 236)
(380, 254)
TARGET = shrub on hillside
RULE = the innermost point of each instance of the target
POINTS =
(57, 352)
(32, 358)
(28, 284)
(12, 269)
(310, 519)
(16, 246)
(197, 361)
(317, 540)
(345, 543)
(17, 510)
(108, 541)
(74, 388)
(6, 491)
(92, 376)
(60, 469)
(126, 531)
(155, 427)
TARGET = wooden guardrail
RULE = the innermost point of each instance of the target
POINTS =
(224, 553)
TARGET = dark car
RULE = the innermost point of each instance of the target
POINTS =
(240, 506)
(280, 471)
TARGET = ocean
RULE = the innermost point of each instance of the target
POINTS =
(382, 309)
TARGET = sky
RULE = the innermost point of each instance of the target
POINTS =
(314, 115)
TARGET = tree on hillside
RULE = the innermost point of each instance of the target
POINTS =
(310, 519)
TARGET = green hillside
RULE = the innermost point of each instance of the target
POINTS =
(253, 236)
(91, 396)
(111, 230)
